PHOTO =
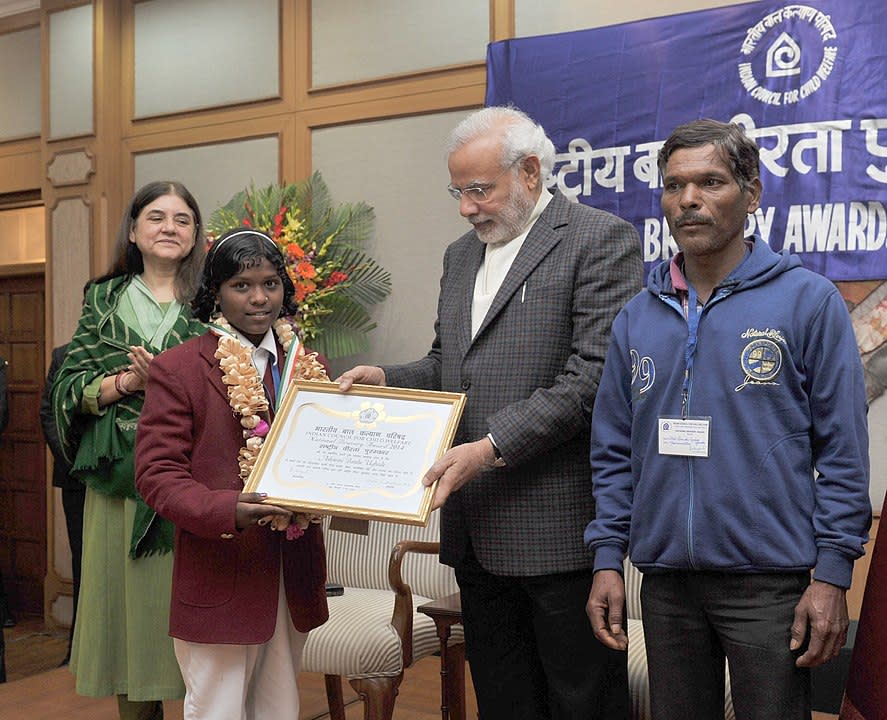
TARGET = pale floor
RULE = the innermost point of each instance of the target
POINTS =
(39, 690)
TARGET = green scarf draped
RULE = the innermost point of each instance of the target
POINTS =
(100, 443)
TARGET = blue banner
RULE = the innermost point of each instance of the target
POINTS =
(808, 82)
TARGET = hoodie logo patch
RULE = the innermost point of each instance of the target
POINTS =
(761, 361)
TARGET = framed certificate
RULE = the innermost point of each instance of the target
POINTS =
(359, 454)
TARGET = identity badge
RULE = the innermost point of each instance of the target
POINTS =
(684, 436)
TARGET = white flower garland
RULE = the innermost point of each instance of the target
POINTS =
(246, 395)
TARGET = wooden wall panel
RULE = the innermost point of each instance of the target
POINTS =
(22, 170)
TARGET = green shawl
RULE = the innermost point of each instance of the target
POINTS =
(101, 447)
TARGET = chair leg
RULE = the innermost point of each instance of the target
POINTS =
(456, 681)
(334, 696)
(378, 695)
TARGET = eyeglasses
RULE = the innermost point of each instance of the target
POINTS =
(476, 192)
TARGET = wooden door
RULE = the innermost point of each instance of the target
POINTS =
(22, 455)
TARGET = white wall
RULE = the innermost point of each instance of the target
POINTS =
(532, 17)
(398, 167)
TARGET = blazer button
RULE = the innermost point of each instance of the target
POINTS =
(466, 384)
(227, 536)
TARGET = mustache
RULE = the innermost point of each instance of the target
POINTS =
(692, 218)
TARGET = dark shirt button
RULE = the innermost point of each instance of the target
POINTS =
(466, 384)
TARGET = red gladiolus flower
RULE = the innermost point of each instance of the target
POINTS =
(278, 221)
(336, 277)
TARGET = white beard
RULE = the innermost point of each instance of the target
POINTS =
(511, 221)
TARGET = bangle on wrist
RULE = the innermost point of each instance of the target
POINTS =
(119, 386)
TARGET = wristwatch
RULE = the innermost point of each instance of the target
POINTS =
(499, 461)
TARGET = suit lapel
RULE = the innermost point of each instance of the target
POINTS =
(543, 238)
(208, 344)
(474, 258)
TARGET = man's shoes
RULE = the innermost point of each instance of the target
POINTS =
(5, 613)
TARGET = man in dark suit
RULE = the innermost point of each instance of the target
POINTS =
(73, 491)
(4, 400)
(7, 619)
(526, 302)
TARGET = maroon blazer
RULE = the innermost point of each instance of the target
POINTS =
(225, 581)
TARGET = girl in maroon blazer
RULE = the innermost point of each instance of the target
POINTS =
(248, 578)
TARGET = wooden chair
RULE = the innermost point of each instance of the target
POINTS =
(374, 632)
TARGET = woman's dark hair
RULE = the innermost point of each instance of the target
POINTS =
(127, 256)
(739, 150)
(233, 252)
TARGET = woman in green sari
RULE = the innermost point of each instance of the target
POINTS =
(137, 309)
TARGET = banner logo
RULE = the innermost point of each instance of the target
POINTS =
(790, 54)
(784, 57)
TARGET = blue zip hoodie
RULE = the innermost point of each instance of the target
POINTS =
(777, 369)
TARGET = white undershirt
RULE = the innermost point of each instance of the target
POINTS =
(498, 258)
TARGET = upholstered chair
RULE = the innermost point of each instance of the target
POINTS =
(374, 632)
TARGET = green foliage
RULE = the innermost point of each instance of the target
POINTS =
(336, 282)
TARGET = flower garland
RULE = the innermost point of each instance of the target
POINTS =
(246, 395)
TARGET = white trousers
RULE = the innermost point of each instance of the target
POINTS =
(244, 682)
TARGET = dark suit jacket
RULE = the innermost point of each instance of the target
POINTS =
(4, 399)
(61, 470)
(531, 374)
(225, 581)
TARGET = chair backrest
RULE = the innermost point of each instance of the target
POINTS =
(633, 578)
(356, 560)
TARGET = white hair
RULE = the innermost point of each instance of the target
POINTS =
(521, 136)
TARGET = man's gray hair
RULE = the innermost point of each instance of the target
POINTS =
(521, 137)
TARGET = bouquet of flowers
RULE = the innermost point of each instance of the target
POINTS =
(336, 281)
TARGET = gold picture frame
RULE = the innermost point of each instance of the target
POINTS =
(358, 454)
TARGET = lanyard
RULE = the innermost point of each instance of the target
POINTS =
(690, 350)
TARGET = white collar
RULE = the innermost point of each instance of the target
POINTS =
(268, 344)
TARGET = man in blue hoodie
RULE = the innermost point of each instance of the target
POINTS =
(729, 452)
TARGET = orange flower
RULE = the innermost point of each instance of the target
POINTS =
(306, 270)
(294, 252)
(303, 289)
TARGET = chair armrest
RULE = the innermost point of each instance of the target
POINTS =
(402, 618)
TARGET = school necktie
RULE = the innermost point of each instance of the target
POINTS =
(270, 384)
